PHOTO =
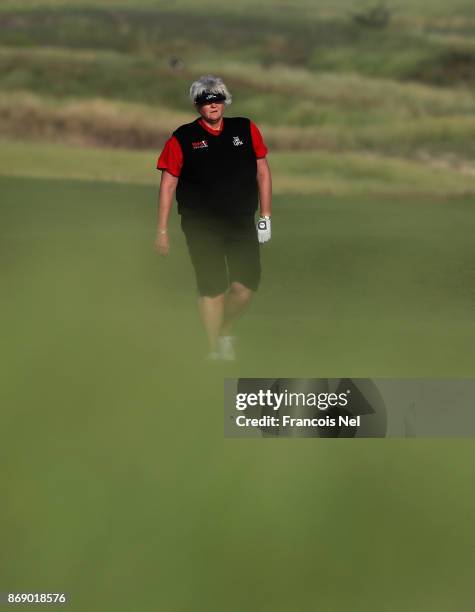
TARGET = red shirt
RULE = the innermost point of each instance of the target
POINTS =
(171, 158)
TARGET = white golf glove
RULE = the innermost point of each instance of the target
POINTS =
(263, 229)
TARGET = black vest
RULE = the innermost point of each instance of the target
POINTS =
(219, 172)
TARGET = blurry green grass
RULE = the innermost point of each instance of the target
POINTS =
(118, 484)
(338, 266)
(101, 75)
(297, 173)
(112, 99)
(342, 96)
(305, 7)
(154, 33)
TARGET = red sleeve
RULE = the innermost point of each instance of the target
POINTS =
(260, 148)
(171, 158)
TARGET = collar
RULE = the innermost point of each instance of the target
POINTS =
(210, 130)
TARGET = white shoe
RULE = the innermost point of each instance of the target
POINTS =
(226, 348)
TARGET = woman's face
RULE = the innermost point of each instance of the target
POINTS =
(213, 112)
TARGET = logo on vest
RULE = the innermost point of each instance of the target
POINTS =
(201, 144)
(237, 141)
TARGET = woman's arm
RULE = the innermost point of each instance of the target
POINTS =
(168, 185)
(264, 181)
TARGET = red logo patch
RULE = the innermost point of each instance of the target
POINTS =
(201, 144)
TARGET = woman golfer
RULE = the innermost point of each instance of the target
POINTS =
(218, 168)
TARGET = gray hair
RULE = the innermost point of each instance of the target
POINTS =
(208, 82)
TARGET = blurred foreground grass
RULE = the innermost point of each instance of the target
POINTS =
(118, 484)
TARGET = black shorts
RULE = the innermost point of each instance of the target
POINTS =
(222, 250)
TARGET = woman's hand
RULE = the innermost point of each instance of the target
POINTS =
(161, 244)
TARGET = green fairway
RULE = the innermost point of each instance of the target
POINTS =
(349, 174)
(369, 286)
(120, 486)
